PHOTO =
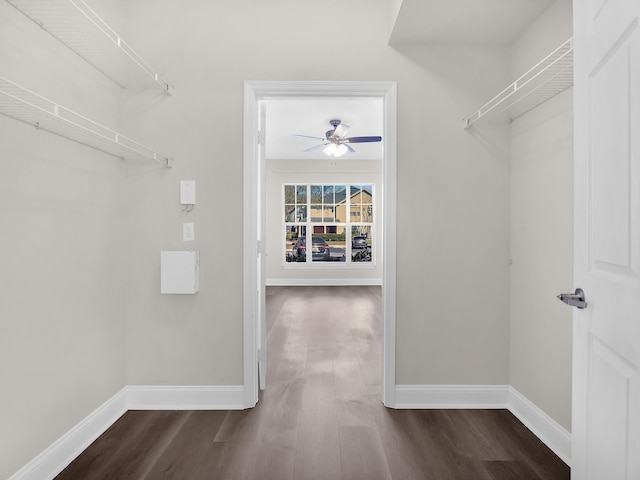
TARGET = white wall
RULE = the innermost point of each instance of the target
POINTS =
(394, 10)
(68, 335)
(453, 210)
(453, 202)
(61, 262)
(541, 231)
(279, 172)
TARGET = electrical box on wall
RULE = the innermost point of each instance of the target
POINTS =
(180, 272)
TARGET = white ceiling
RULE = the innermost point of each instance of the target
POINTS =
(465, 21)
(310, 116)
(418, 22)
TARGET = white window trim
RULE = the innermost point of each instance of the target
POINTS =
(348, 225)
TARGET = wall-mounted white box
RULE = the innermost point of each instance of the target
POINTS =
(180, 271)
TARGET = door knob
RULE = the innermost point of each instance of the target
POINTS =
(576, 299)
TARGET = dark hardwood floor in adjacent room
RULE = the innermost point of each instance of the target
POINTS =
(320, 416)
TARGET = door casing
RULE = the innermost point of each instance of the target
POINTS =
(253, 210)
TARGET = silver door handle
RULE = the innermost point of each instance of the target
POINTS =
(574, 299)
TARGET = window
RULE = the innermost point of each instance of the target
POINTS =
(336, 220)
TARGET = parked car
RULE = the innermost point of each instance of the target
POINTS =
(320, 250)
(359, 241)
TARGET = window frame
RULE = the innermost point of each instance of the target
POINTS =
(307, 226)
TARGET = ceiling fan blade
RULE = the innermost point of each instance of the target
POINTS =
(309, 136)
(317, 147)
(363, 139)
(340, 131)
(351, 149)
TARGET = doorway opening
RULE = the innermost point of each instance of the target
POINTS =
(254, 322)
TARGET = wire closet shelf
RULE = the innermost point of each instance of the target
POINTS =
(24, 105)
(547, 78)
(82, 30)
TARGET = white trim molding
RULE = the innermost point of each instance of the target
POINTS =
(321, 282)
(550, 432)
(451, 396)
(254, 92)
(185, 397)
(143, 397)
(205, 397)
(61, 453)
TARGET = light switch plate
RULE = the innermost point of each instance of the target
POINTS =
(187, 192)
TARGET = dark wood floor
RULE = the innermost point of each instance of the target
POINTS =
(320, 416)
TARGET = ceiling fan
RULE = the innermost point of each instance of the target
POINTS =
(336, 143)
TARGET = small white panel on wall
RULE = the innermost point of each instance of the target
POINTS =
(187, 192)
(180, 271)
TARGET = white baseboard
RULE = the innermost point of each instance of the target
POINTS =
(56, 457)
(185, 397)
(321, 282)
(552, 434)
(62, 452)
(489, 396)
(451, 396)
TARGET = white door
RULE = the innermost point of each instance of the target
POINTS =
(606, 380)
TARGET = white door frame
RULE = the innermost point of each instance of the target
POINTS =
(254, 92)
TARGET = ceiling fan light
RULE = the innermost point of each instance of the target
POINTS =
(331, 149)
(341, 150)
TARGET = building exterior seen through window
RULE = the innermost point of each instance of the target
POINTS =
(334, 222)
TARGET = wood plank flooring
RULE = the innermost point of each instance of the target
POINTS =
(320, 416)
